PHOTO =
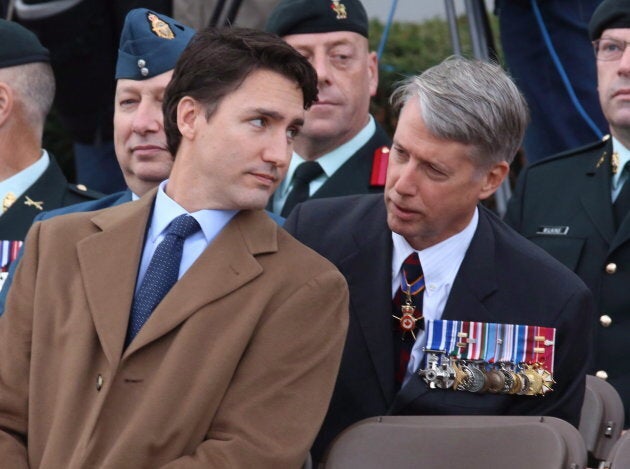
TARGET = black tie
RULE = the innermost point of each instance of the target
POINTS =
(622, 202)
(302, 178)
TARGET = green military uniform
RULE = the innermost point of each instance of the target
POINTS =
(564, 205)
(51, 190)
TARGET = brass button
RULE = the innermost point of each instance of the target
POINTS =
(605, 320)
(99, 382)
(602, 374)
(611, 268)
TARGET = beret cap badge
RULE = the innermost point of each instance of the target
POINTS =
(159, 27)
(340, 9)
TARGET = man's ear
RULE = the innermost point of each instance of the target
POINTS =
(188, 110)
(6, 102)
(493, 179)
(373, 72)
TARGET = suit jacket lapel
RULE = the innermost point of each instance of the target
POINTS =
(225, 265)
(368, 272)
(595, 197)
(475, 281)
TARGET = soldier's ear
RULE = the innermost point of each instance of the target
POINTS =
(6, 102)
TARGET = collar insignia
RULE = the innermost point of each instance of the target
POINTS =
(39, 205)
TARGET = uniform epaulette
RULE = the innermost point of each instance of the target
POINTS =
(83, 191)
(573, 151)
(379, 166)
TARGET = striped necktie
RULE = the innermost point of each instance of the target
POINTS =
(407, 315)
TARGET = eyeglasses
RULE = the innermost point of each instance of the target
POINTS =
(609, 49)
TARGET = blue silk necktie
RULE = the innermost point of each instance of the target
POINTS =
(162, 272)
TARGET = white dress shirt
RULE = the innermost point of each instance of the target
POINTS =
(440, 264)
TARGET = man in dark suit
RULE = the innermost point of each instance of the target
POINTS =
(30, 179)
(341, 149)
(574, 205)
(185, 328)
(460, 125)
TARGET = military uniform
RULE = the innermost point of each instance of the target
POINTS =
(563, 204)
(51, 190)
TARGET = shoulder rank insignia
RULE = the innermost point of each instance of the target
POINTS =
(379, 167)
(32, 203)
(159, 27)
(340, 9)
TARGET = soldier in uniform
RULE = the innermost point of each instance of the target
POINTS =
(30, 179)
(341, 149)
(575, 204)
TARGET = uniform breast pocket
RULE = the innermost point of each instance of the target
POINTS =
(567, 250)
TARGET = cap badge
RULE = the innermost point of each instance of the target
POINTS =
(340, 9)
(159, 27)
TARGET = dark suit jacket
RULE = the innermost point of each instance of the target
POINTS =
(52, 190)
(571, 191)
(503, 278)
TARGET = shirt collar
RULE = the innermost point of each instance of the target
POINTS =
(332, 161)
(166, 209)
(19, 183)
(436, 270)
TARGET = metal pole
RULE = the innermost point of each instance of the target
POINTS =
(451, 18)
(475, 9)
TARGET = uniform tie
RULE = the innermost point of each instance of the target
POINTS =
(302, 178)
(622, 202)
(407, 314)
(162, 272)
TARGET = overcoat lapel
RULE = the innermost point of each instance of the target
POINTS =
(224, 266)
(368, 272)
(113, 253)
(595, 196)
(475, 281)
(227, 264)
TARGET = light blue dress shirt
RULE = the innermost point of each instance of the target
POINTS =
(164, 211)
(20, 182)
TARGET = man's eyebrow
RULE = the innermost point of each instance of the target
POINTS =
(275, 115)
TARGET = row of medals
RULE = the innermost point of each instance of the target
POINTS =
(479, 376)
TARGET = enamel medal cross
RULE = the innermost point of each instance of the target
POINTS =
(411, 307)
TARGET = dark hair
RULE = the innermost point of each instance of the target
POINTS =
(217, 61)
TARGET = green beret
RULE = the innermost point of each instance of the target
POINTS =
(19, 46)
(609, 14)
(317, 16)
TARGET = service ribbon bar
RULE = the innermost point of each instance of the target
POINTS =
(10, 250)
(489, 357)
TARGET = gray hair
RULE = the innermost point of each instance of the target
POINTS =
(34, 87)
(470, 102)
